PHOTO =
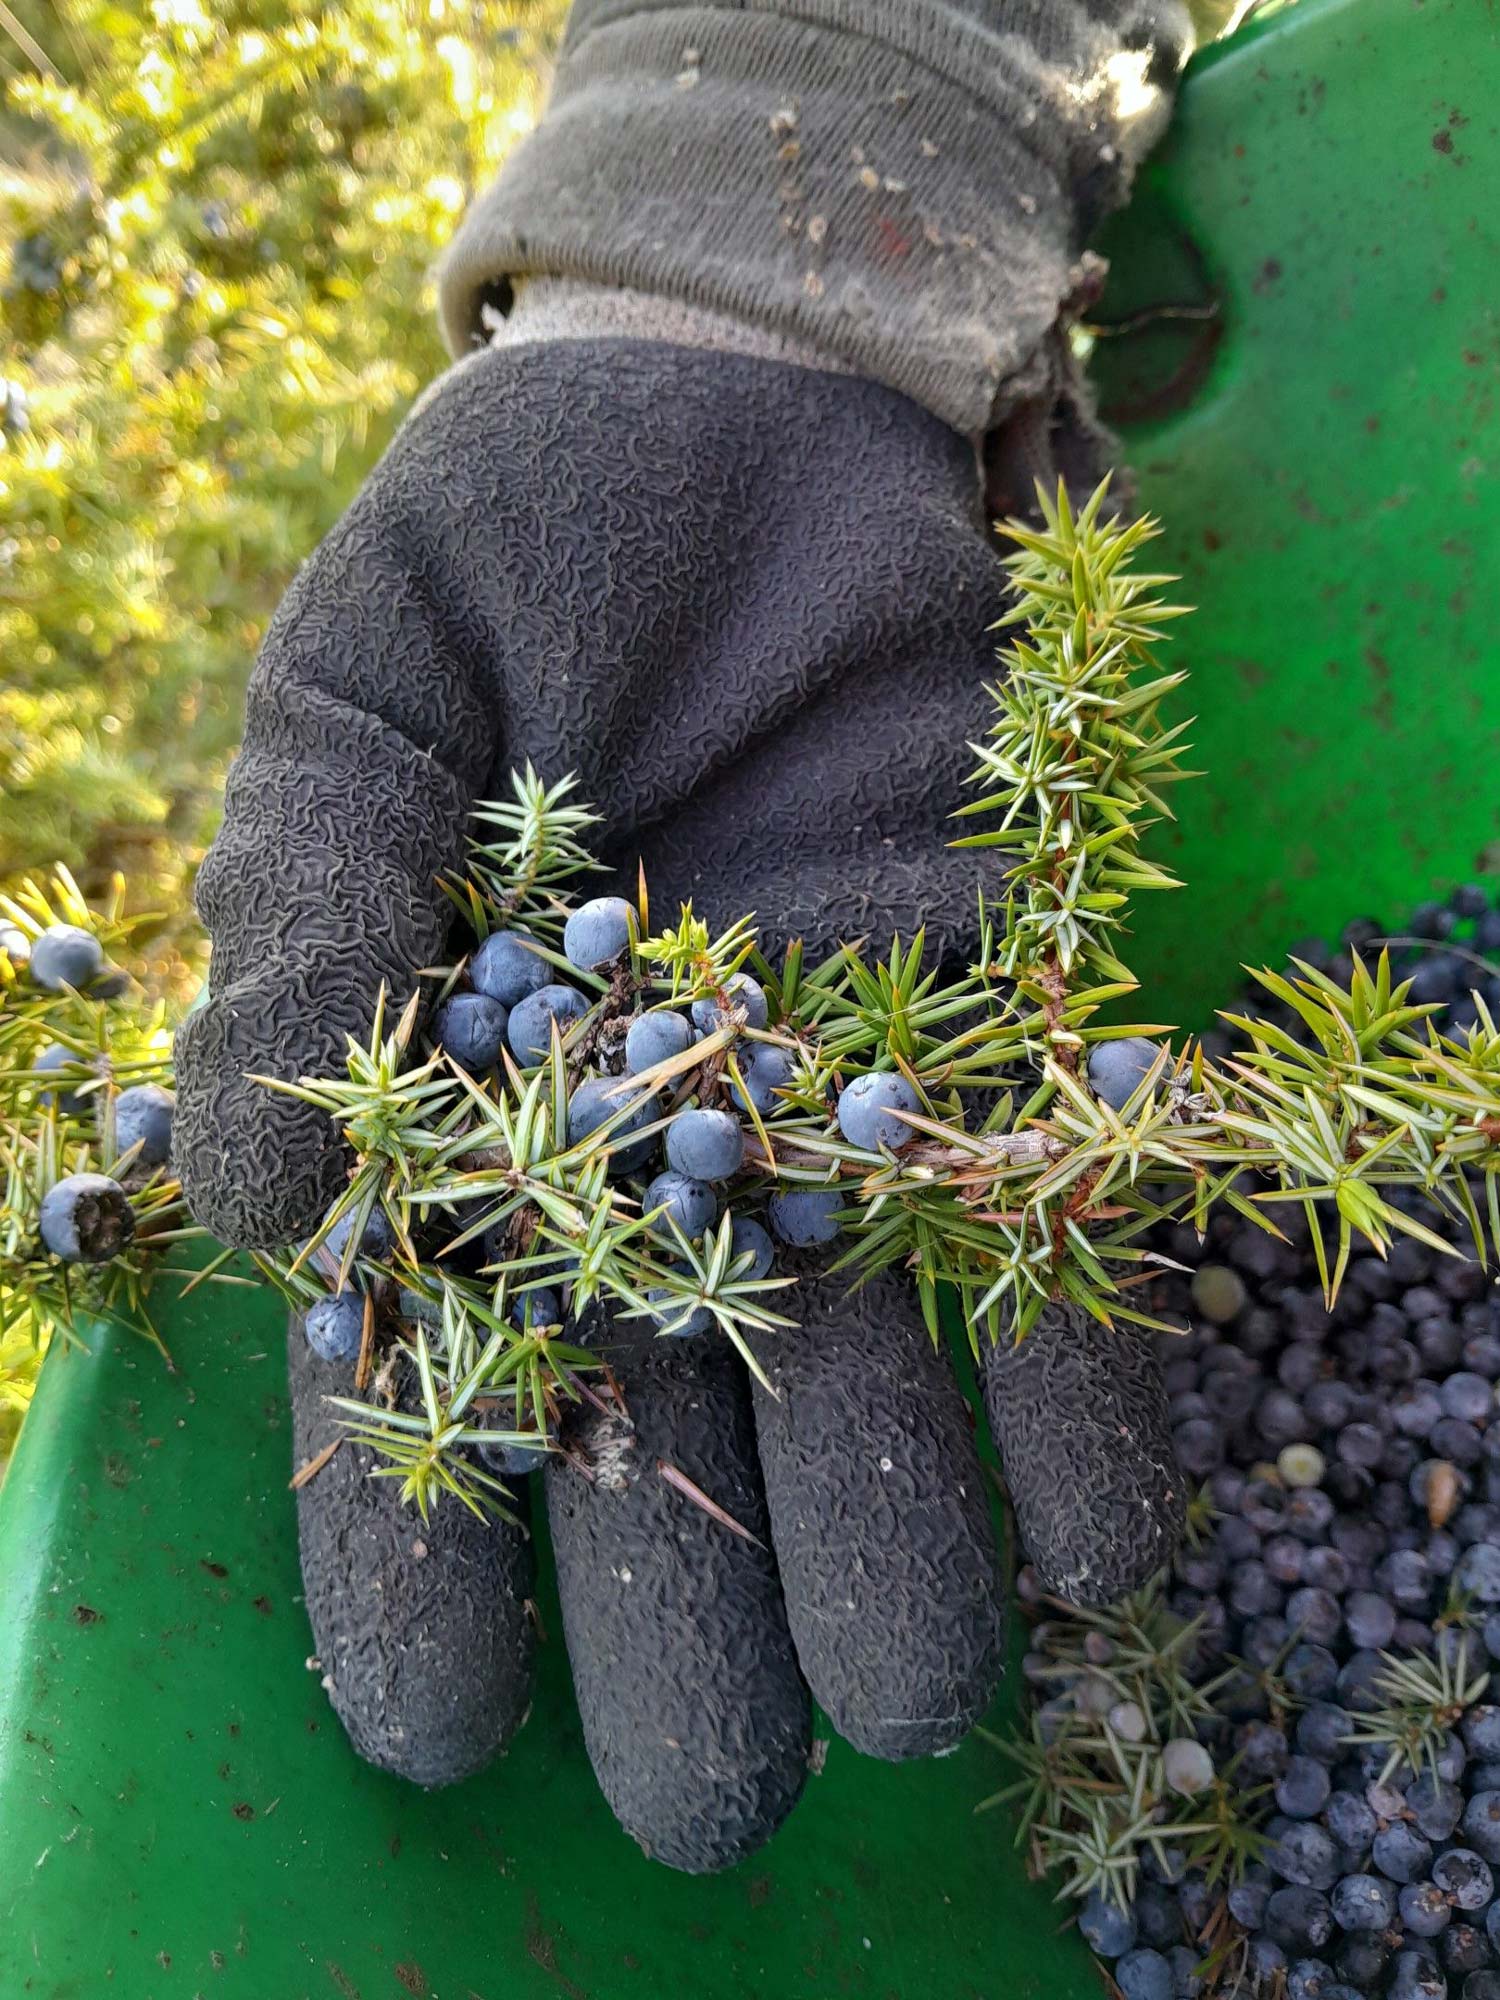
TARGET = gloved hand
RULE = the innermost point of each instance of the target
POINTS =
(719, 551)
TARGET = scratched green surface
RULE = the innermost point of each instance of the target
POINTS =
(1326, 459)
(179, 1815)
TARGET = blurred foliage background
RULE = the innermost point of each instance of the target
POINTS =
(217, 227)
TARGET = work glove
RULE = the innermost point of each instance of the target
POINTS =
(734, 574)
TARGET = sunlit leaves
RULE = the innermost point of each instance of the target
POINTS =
(242, 209)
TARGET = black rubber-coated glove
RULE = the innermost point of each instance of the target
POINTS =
(749, 605)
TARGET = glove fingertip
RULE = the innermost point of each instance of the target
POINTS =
(1081, 1419)
(421, 1628)
(880, 1520)
(697, 1721)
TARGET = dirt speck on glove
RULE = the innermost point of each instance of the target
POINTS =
(694, 1712)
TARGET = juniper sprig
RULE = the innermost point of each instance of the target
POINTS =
(1003, 1173)
(66, 1054)
(1094, 1795)
(1423, 1698)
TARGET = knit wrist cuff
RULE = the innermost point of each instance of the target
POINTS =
(902, 185)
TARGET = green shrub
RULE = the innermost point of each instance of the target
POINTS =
(216, 302)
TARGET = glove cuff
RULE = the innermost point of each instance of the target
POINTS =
(548, 309)
(903, 185)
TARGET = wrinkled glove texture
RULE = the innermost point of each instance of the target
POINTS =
(747, 601)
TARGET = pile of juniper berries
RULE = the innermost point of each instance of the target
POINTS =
(1352, 1463)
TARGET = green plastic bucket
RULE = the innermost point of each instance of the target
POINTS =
(1306, 367)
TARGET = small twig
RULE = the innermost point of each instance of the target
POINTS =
(1112, 329)
(313, 1467)
(680, 1483)
(366, 1345)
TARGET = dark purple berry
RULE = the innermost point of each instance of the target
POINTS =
(530, 1028)
(749, 1239)
(1308, 1979)
(507, 967)
(64, 955)
(1315, 1613)
(1322, 1729)
(1455, 1439)
(596, 1101)
(1187, 1981)
(471, 1029)
(1328, 1405)
(658, 1037)
(744, 1004)
(1478, 1572)
(1285, 1559)
(1280, 1419)
(1464, 1878)
(1481, 1825)
(1351, 1822)
(377, 1239)
(1435, 1805)
(1117, 1069)
(335, 1326)
(1415, 1408)
(1361, 1959)
(1416, 1977)
(1264, 1958)
(1252, 1591)
(766, 1071)
(1311, 1672)
(72, 1103)
(802, 1216)
(1264, 1638)
(1468, 1397)
(1357, 1681)
(873, 1111)
(1360, 1445)
(597, 932)
(1143, 1974)
(705, 1145)
(675, 1197)
(1401, 1854)
(1299, 1918)
(1199, 1444)
(1303, 1853)
(1464, 1949)
(86, 1219)
(1158, 1920)
(1309, 1514)
(1425, 1910)
(1403, 1576)
(1247, 1898)
(1109, 1930)
(1370, 1618)
(1479, 1521)
(1303, 1787)
(1364, 1903)
(143, 1117)
(1327, 1569)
